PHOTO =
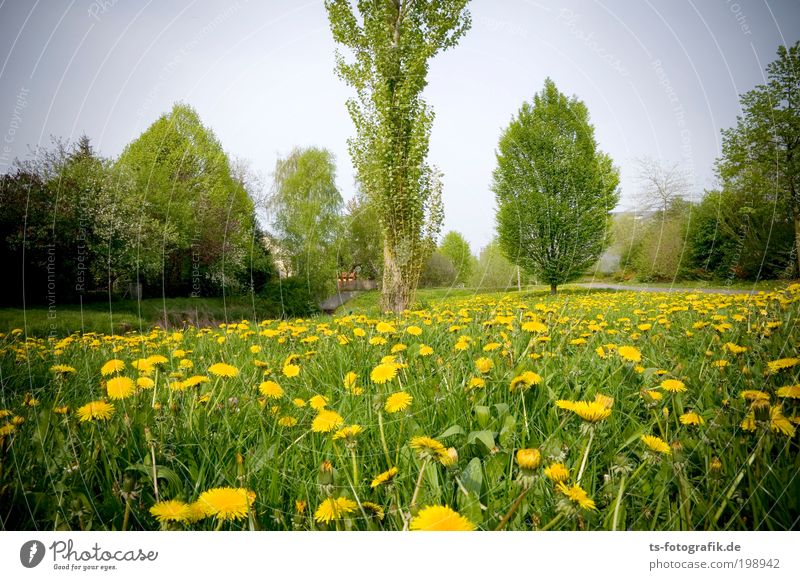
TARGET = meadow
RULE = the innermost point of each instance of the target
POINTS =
(587, 410)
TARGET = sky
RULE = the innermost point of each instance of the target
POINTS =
(660, 79)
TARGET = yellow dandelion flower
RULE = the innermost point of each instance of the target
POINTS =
(113, 366)
(195, 380)
(318, 402)
(529, 458)
(430, 448)
(350, 380)
(384, 477)
(630, 353)
(439, 518)
(779, 423)
(425, 350)
(145, 383)
(604, 400)
(372, 509)
(291, 370)
(326, 421)
(170, 511)
(749, 422)
(398, 402)
(287, 421)
(556, 472)
(673, 386)
(96, 410)
(120, 387)
(525, 381)
(591, 411)
(691, 418)
(223, 370)
(350, 432)
(385, 328)
(383, 373)
(484, 365)
(157, 359)
(656, 444)
(651, 395)
(271, 390)
(791, 392)
(754, 395)
(534, 326)
(476, 383)
(578, 495)
(227, 503)
(734, 348)
(782, 363)
(414, 330)
(62, 369)
(298, 403)
(334, 509)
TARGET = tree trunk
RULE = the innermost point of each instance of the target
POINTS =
(396, 289)
(553, 288)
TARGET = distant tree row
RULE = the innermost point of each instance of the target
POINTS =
(747, 228)
(172, 216)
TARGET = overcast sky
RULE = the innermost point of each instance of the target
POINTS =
(660, 78)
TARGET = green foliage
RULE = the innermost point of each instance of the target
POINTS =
(661, 251)
(291, 297)
(361, 248)
(740, 234)
(438, 272)
(456, 248)
(391, 44)
(183, 181)
(69, 224)
(493, 269)
(554, 189)
(761, 154)
(306, 209)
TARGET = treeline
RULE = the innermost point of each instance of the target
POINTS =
(748, 228)
(171, 216)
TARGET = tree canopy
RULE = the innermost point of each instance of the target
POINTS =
(391, 45)
(554, 189)
(762, 152)
(306, 206)
(185, 182)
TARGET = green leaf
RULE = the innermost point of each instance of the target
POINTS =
(450, 431)
(482, 415)
(484, 439)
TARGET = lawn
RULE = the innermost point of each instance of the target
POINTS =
(523, 411)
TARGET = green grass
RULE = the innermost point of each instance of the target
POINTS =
(173, 441)
(125, 315)
(765, 285)
(120, 316)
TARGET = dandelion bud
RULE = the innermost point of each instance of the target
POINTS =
(761, 410)
(451, 458)
(529, 459)
(326, 473)
(716, 465)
